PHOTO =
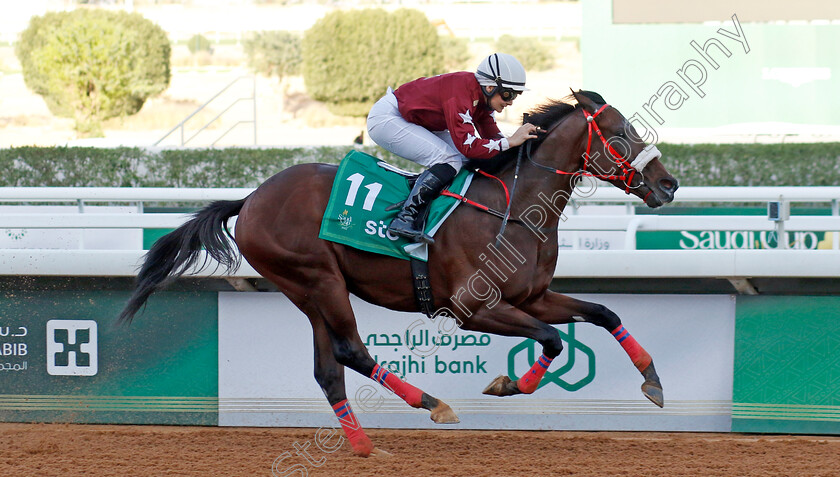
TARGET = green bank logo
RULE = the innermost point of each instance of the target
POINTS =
(572, 347)
(72, 348)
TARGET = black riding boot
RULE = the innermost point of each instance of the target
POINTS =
(409, 221)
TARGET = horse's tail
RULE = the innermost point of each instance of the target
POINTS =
(178, 251)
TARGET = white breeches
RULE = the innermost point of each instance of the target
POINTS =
(389, 130)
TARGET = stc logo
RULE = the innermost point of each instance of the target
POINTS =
(571, 349)
(380, 230)
(72, 348)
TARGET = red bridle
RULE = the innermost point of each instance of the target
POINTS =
(627, 171)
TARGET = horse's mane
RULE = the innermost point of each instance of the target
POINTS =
(544, 116)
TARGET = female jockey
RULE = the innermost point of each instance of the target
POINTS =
(441, 122)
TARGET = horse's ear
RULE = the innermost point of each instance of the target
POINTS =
(585, 102)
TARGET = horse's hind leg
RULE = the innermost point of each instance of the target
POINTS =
(330, 376)
(554, 308)
(331, 302)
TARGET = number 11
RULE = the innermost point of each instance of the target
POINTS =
(356, 182)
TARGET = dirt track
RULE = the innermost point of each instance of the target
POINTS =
(68, 450)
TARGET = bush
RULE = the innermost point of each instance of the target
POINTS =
(92, 65)
(274, 53)
(199, 44)
(456, 54)
(351, 57)
(534, 54)
(693, 165)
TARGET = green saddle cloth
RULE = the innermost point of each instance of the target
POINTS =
(356, 214)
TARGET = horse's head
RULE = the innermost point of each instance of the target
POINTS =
(614, 152)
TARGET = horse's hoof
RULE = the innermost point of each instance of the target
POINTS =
(377, 452)
(362, 447)
(501, 386)
(652, 388)
(443, 414)
(653, 391)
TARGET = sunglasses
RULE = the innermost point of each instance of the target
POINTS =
(508, 94)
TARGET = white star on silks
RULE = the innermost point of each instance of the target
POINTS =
(470, 139)
(466, 117)
(494, 145)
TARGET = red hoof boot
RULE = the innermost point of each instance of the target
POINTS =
(362, 446)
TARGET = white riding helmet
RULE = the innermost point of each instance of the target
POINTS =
(502, 71)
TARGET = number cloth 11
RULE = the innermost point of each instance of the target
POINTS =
(356, 215)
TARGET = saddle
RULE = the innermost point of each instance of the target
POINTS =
(366, 191)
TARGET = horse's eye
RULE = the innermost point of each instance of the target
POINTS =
(620, 134)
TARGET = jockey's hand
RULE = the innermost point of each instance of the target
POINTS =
(525, 132)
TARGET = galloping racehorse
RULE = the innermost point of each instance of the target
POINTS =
(277, 233)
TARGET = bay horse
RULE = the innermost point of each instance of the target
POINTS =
(277, 233)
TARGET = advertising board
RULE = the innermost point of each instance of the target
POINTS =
(64, 359)
(266, 370)
(787, 373)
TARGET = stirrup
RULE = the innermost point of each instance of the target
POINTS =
(416, 237)
(410, 233)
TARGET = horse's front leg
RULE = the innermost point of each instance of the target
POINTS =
(506, 320)
(554, 308)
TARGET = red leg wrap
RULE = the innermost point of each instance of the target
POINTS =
(531, 381)
(407, 392)
(640, 357)
(352, 429)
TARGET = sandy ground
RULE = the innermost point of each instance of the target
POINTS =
(70, 450)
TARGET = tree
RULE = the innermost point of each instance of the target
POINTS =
(93, 65)
(534, 54)
(199, 43)
(351, 57)
(274, 53)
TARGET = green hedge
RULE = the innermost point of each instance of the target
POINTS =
(816, 164)
(693, 165)
(135, 167)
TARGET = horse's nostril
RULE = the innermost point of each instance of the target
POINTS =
(668, 185)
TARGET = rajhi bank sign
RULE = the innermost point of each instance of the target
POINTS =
(265, 368)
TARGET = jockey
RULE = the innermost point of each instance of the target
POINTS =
(441, 122)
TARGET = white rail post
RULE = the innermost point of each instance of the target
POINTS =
(81, 205)
(630, 235)
(835, 234)
(781, 235)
